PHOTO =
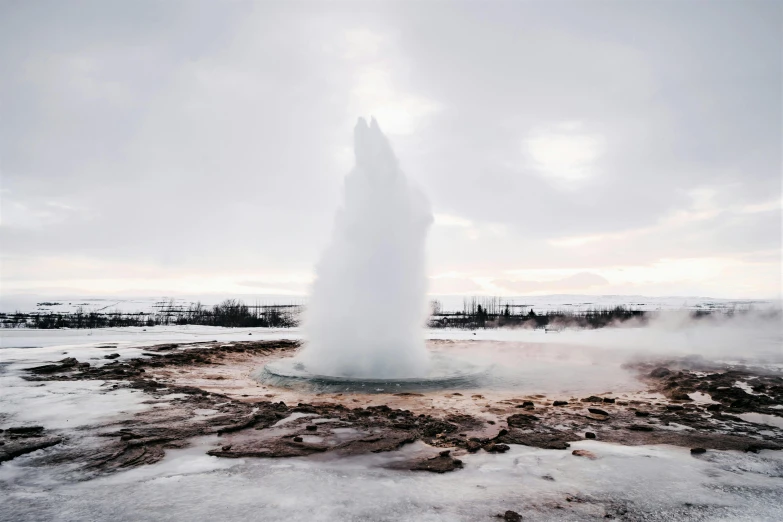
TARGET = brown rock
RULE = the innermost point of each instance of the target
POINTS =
(493, 447)
(510, 516)
(473, 446)
(584, 453)
(440, 464)
(521, 419)
(660, 372)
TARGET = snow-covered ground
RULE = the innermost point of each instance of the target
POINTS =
(645, 482)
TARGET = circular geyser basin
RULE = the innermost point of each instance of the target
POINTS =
(558, 369)
(445, 372)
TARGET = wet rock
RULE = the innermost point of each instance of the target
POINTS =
(545, 438)
(526, 404)
(609, 400)
(698, 451)
(311, 427)
(584, 453)
(271, 449)
(674, 407)
(589, 435)
(597, 411)
(25, 431)
(494, 447)
(20, 446)
(434, 427)
(473, 446)
(640, 427)
(660, 372)
(510, 516)
(642, 413)
(376, 443)
(560, 403)
(51, 368)
(440, 464)
(714, 407)
(681, 397)
(465, 421)
(593, 398)
(111, 356)
(263, 418)
(521, 419)
(298, 439)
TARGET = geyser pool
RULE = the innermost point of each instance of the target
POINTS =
(367, 309)
(444, 372)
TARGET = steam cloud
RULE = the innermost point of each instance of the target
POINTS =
(367, 308)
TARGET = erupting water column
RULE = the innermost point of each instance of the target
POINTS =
(368, 302)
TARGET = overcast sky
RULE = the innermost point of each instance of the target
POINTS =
(566, 147)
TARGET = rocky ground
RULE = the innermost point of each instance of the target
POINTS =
(207, 389)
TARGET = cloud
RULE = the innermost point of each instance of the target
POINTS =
(275, 286)
(565, 154)
(575, 283)
(578, 144)
(453, 286)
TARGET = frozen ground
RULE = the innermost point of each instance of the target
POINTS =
(637, 483)
(632, 483)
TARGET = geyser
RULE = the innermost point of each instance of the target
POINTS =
(367, 308)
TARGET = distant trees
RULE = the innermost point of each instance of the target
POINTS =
(491, 312)
(229, 313)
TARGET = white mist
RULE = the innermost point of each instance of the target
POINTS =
(368, 303)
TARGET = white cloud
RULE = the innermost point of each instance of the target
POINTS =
(446, 220)
(564, 153)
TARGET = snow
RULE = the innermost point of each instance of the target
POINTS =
(658, 481)
(654, 482)
(62, 404)
(135, 336)
(760, 418)
(701, 398)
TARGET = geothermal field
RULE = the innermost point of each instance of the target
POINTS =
(361, 413)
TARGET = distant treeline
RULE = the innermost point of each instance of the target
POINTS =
(477, 312)
(482, 317)
(230, 313)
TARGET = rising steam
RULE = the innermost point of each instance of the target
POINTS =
(367, 308)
